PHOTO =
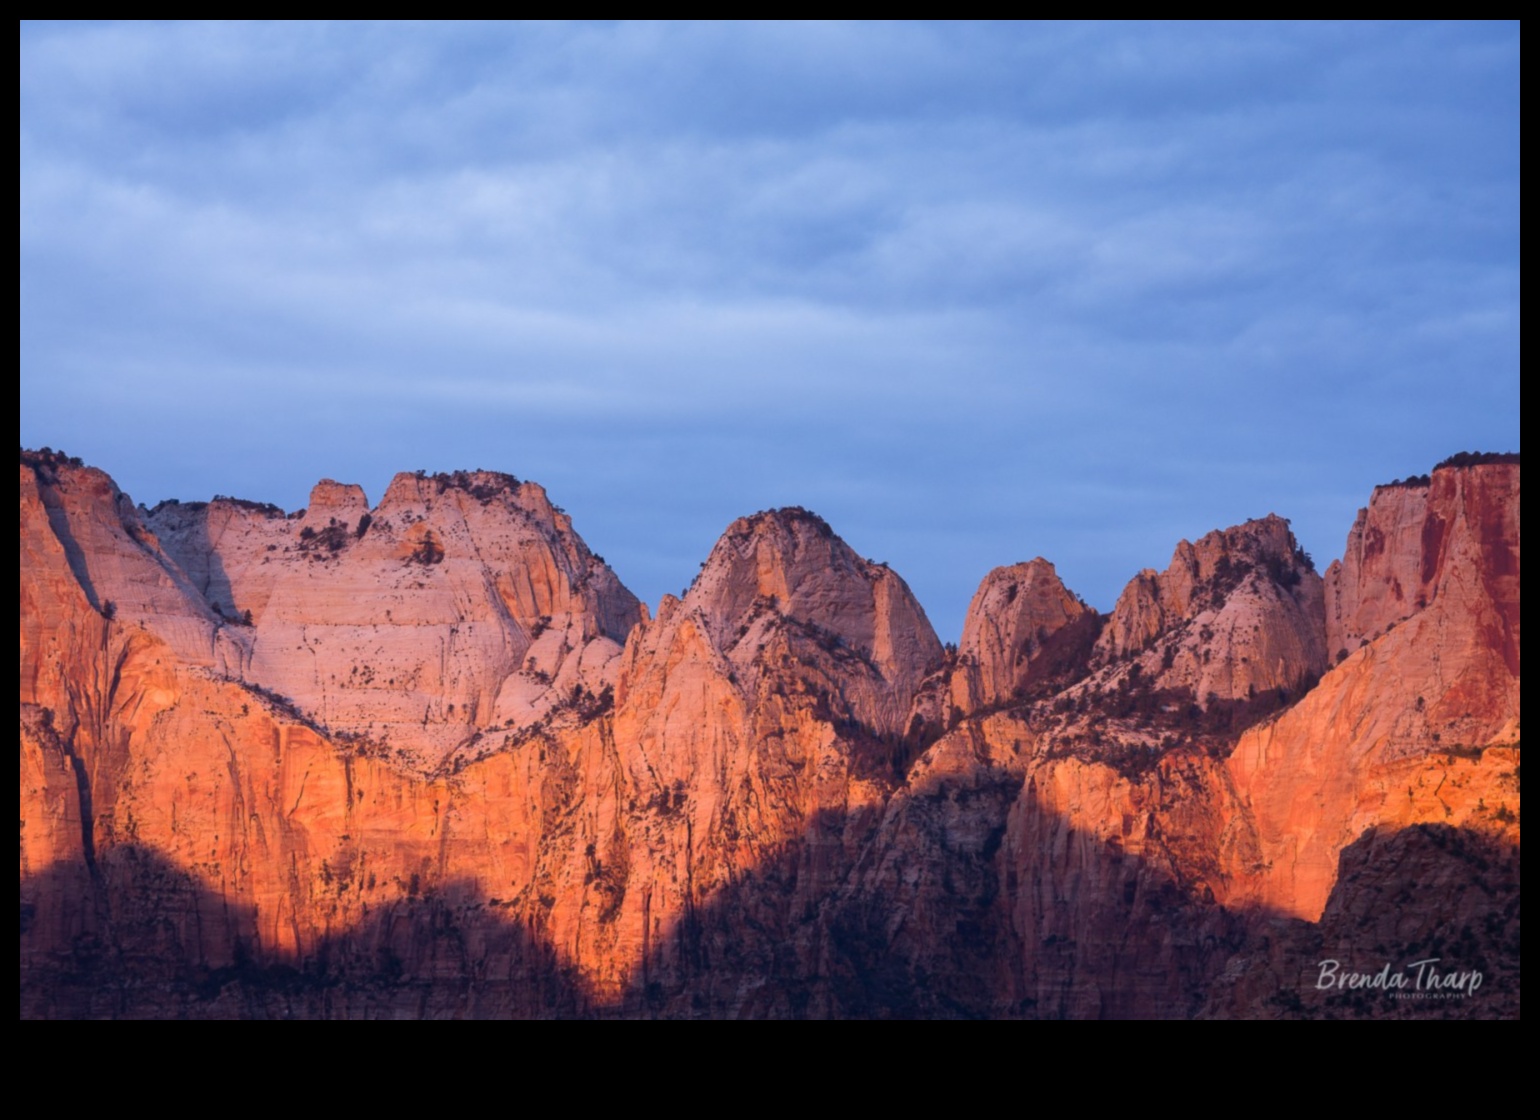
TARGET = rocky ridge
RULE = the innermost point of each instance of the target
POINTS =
(462, 606)
(779, 797)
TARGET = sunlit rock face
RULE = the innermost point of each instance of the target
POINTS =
(786, 572)
(1237, 613)
(430, 758)
(460, 604)
(1419, 719)
(1023, 627)
(1453, 536)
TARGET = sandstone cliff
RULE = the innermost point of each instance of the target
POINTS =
(1415, 724)
(460, 606)
(1024, 631)
(1237, 613)
(449, 767)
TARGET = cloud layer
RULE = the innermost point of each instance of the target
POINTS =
(973, 292)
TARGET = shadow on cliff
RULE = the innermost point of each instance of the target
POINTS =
(1426, 918)
(926, 919)
(218, 592)
(921, 914)
(142, 938)
(45, 466)
(931, 918)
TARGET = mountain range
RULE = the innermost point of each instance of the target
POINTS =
(432, 759)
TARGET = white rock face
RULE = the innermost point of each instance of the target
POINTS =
(786, 569)
(463, 604)
(1237, 613)
(1008, 634)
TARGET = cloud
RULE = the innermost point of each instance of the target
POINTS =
(973, 291)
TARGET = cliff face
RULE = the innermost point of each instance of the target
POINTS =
(1238, 613)
(460, 606)
(1023, 631)
(1420, 721)
(1452, 538)
(448, 766)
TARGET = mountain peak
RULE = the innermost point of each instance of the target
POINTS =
(1237, 613)
(794, 519)
(1023, 625)
(464, 602)
(790, 563)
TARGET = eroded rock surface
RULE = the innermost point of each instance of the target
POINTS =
(461, 606)
(448, 766)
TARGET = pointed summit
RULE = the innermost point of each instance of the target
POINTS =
(1022, 626)
(788, 564)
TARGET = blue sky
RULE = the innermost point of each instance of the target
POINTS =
(973, 292)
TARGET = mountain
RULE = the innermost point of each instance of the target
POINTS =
(432, 759)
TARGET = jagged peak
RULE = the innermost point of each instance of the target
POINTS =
(1220, 561)
(789, 566)
(50, 467)
(419, 489)
(483, 485)
(1023, 574)
(1038, 567)
(1024, 627)
(1204, 576)
(1027, 593)
(49, 458)
(1259, 537)
(1005, 586)
(788, 558)
(409, 488)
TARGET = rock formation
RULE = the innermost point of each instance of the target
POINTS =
(1420, 721)
(1238, 613)
(1023, 629)
(461, 606)
(432, 759)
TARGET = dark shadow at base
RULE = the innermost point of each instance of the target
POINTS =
(154, 943)
(923, 915)
(1423, 923)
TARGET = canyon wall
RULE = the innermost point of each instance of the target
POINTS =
(431, 759)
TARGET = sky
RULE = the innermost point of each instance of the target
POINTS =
(972, 292)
